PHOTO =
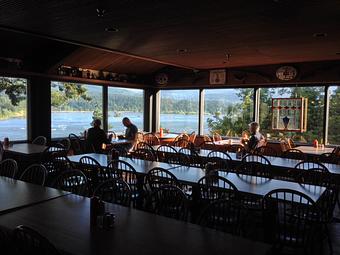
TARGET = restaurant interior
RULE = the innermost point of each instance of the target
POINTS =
(169, 127)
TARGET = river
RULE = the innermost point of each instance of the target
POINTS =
(64, 123)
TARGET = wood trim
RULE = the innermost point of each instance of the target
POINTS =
(25, 74)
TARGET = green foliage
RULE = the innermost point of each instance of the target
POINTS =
(334, 117)
(235, 117)
(14, 88)
(63, 93)
(12, 97)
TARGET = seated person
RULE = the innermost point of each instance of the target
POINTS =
(96, 137)
(130, 132)
(256, 139)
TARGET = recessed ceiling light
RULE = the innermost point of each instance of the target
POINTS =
(182, 51)
(100, 12)
(111, 29)
(319, 34)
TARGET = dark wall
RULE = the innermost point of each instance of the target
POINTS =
(39, 107)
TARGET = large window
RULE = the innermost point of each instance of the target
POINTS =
(125, 102)
(74, 106)
(334, 115)
(13, 108)
(315, 113)
(228, 111)
(179, 110)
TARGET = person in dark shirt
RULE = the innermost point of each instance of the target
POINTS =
(131, 129)
(96, 137)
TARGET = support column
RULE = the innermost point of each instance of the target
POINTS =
(39, 107)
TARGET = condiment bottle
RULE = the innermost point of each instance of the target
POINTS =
(315, 143)
(161, 132)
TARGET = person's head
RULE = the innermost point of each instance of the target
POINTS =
(253, 127)
(97, 123)
(126, 122)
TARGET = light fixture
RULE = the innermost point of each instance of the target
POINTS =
(182, 51)
(100, 11)
(320, 35)
(111, 29)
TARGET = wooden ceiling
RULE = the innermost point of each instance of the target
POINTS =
(251, 32)
(102, 60)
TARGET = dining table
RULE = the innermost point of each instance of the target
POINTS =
(312, 151)
(65, 222)
(140, 165)
(16, 194)
(25, 149)
(252, 185)
(276, 162)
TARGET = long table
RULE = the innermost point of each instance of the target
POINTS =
(65, 221)
(27, 149)
(16, 194)
(253, 185)
(140, 165)
(191, 175)
(278, 162)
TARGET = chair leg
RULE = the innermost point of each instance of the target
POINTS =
(330, 244)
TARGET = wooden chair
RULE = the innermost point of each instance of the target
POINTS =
(330, 158)
(170, 201)
(8, 168)
(291, 143)
(220, 160)
(139, 137)
(114, 135)
(217, 137)
(144, 145)
(256, 158)
(266, 151)
(151, 139)
(190, 157)
(213, 187)
(157, 177)
(305, 165)
(291, 217)
(145, 154)
(126, 172)
(40, 140)
(192, 137)
(207, 138)
(294, 154)
(223, 215)
(207, 145)
(236, 148)
(76, 146)
(35, 174)
(56, 164)
(73, 181)
(182, 142)
(114, 191)
(284, 145)
(29, 241)
(94, 172)
(168, 154)
(254, 168)
(66, 143)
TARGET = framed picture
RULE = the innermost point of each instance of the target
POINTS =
(217, 77)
